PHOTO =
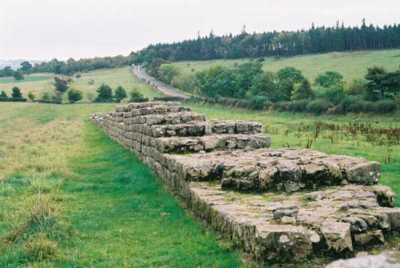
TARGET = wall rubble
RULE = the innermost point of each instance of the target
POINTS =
(279, 205)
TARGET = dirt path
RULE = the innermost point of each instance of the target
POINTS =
(165, 89)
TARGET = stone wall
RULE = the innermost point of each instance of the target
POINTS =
(279, 205)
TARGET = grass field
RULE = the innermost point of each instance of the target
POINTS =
(352, 65)
(87, 83)
(70, 197)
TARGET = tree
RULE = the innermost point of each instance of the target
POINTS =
(16, 93)
(74, 95)
(167, 72)
(136, 96)
(329, 79)
(120, 94)
(3, 95)
(31, 96)
(265, 85)
(302, 91)
(244, 75)
(61, 85)
(288, 77)
(18, 76)
(26, 67)
(216, 81)
(104, 94)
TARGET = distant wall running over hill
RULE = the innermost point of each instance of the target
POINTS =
(267, 44)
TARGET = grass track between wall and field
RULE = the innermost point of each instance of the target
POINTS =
(71, 197)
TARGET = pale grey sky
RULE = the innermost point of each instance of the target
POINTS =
(44, 29)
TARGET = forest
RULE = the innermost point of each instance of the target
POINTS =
(276, 44)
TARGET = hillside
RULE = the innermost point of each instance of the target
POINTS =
(352, 65)
(87, 83)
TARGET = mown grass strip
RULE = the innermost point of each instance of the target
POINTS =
(124, 217)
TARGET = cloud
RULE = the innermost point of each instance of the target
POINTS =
(43, 29)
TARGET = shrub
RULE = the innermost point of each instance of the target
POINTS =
(334, 94)
(61, 85)
(74, 95)
(281, 106)
(298, 106)
(31, 96)
(104, 94)
(136, 96)
(259, 103)
(329, 79)
(357, 87)
(3, 96)
(385, 106)
(319, 106)
(302, 91)
(120, 94)
(16, 93)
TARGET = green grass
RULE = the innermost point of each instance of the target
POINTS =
(27, 78)
(99, 206)
(352, 65)
(87, 83)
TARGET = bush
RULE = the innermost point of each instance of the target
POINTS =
(281, 106)
(61, 85)
(319, 106)
(16, 93)
(329, 79)
(298, 106)
(104, 94)
(334, 94)
(120, 94)
(302, 91)
(3, 96)
(259, 103)
(31, 96)
(136, 96)
(357, 87)
(385, 106)
(74, 95)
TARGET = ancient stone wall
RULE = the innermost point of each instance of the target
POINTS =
(278, 205)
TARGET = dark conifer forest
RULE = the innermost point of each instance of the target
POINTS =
(277, 44)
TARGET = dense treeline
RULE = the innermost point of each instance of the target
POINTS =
(247, 85)
(68, 67)
(286, 43)
(72, 66)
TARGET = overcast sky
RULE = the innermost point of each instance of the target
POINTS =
(44, 29)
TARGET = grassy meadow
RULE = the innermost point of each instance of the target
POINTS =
(87, 83)
(352, 65)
